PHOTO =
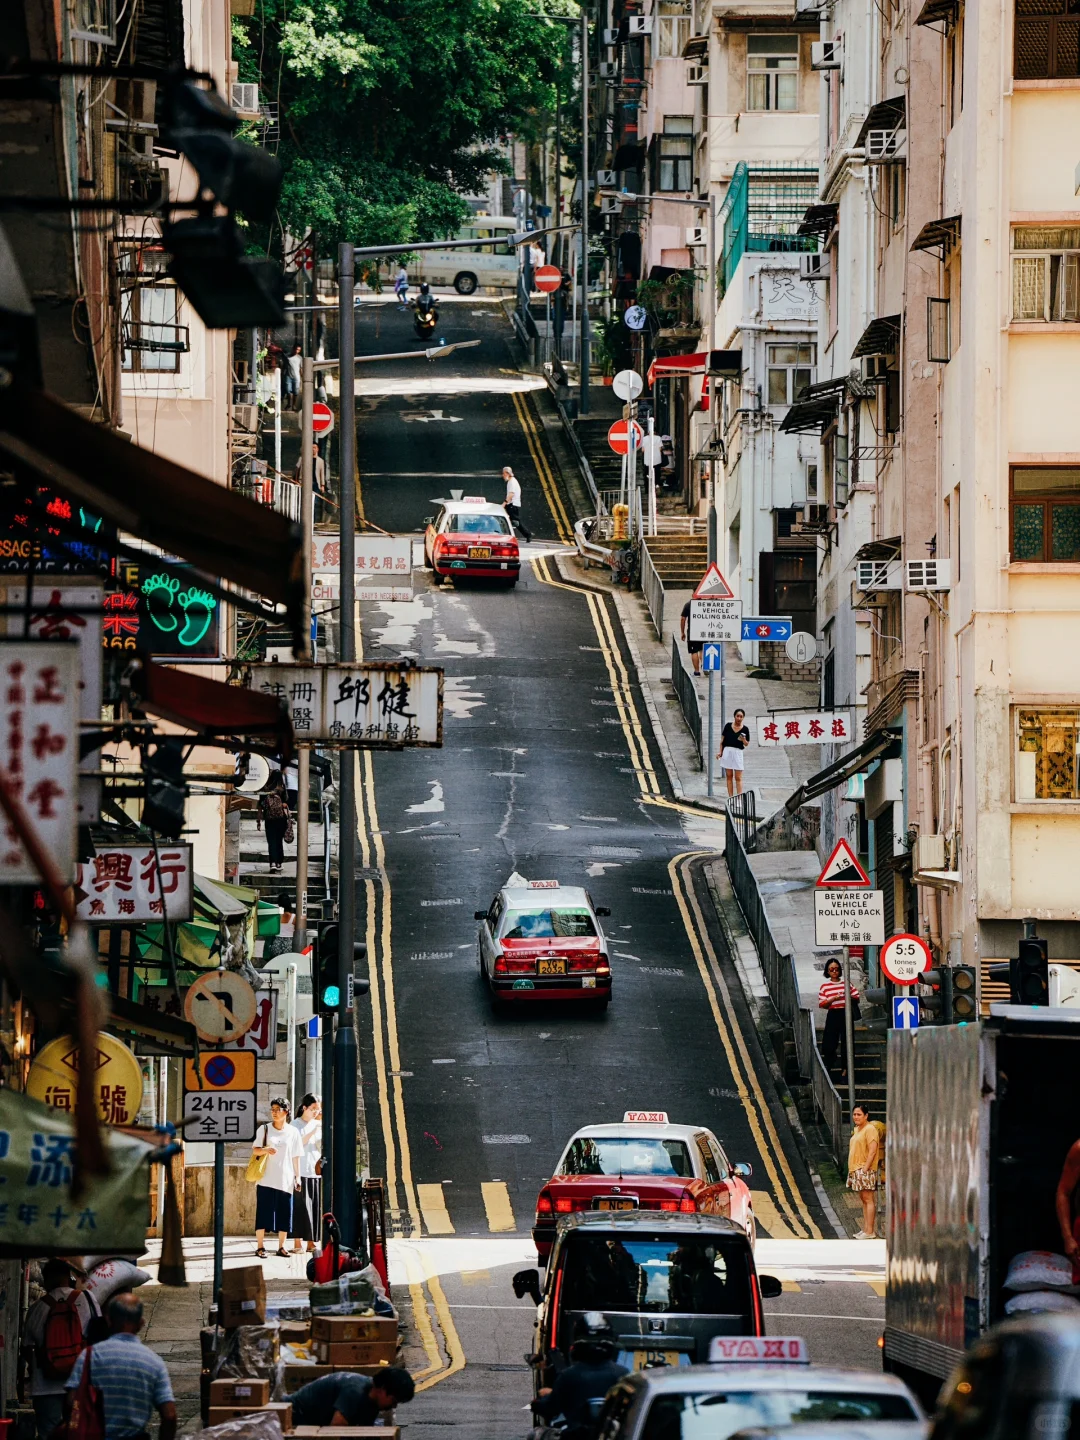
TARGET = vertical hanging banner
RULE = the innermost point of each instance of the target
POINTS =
(39, 750)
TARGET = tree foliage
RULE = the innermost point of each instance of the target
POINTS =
(390, 109)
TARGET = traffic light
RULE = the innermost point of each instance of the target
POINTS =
(327, 987)
(1028, 973)
(939, 1005)
(965, 1004)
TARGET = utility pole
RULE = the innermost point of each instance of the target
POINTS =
(346, 1061)
(583, 404)
(710, 341)
(303, 759)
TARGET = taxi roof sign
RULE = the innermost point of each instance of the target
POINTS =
(645, 1117)
(543, 884)
(473, 500)
(758, 1350)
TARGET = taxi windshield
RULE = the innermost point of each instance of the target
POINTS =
(478, 525)
(688, 1274)
(715, 1417)
(545, 922)
(603, 1155)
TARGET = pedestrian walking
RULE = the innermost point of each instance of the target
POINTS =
(693, 647)
(512, 503)
(55, 1334)
(863, 1173)
(345, 1398)
(307, 1206)
(131, 1379)
(318, 480)
(831, 1000)
(292, 378)
(273, 811)
(401, 286)
(274, 1193)
(733, 742)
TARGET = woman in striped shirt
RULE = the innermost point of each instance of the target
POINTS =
(831, 1000)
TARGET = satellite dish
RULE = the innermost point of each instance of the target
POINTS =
(257, 775)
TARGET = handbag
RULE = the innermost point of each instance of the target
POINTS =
(87, 1418)
(256, 1166)
(290, 833)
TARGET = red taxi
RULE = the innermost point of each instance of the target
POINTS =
(540, 940)
(645, 1163)
(472, 537)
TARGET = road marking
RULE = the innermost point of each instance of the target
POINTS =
(500, 1213)
(433, 1208)
(543, 470)
(878, 1287)
(769, 1218)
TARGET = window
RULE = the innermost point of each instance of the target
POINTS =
(954, 65)
(671, 27)
(1046, 272)
(708, 1163)
(688, 1274)
(1047, 753)
(696, 1416)
(896, 193)
(791, 369)
(677, 153)
(772, 72)
(617, 1155)
(153, 342)
(547, 924)
(1047, 39)
(1045, 520)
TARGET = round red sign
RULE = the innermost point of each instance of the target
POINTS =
(547, 278)
(322, 418)
(904, 958)
(618, 436)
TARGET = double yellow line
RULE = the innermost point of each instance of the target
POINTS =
(543, 469)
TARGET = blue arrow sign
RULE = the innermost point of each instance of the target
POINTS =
(711, 657)
(766, 627)
(905, 1013)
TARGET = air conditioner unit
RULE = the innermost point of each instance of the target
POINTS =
(928, 574)
(885, 146)
(878, 575)
(639, 25)
(605, 179)
(610, 38)
(815, 266)
(928, 853)
(809, 7)
(697, 74)
(875, 369)
(610, 205)
(826, 54)
(245, 98)
(696, 235)
(608, 70)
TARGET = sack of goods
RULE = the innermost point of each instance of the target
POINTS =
(347, 1295)
(1042, 1284)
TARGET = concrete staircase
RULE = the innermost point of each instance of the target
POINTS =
(680, 560)
(592, 435)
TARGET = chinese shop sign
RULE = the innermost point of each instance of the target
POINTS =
(38, 1215)
(358, 704)
(28, 541)
(379, 555)
(118, 1078)
(127, 884)
(815, 727)
(163, 610)
(39, 729)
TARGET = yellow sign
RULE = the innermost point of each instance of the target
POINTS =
(221, 1070)
(118, 1078)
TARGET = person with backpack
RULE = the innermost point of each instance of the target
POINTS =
(54, 1336)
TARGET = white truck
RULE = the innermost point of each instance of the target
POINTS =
(494, 266)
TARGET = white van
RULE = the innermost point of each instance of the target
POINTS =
(467, 269)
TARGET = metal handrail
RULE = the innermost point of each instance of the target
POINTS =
(653, 589)
(683, 685)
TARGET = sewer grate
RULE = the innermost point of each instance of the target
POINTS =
(613, 852)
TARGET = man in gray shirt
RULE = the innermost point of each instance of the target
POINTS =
(345, 1398)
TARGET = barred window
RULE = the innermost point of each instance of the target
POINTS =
(1047, 39)
(1046, 272)
(1047, 753)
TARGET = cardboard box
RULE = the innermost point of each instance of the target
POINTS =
(297, 1332)
(243, 1297)
(252, 1393)
(357, 1352)
(219, 1414)
(294, 1377)
(343, 1329)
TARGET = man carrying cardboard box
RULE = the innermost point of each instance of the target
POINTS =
(345, 1398)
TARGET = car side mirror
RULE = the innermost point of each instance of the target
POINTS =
(479, 914)
(527, 1282)
(429, 519)
(743, 1168)
(770, 1287)
(602, 910)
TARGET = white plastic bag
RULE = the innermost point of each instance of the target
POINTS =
(110, 1277)
(1040, 1270)
(1041, 1302)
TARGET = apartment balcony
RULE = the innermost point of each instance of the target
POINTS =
(273, 491)
(772, 137)
(763, 210)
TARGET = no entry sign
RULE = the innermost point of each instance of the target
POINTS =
(322, 418)
(618, 437)
(547, 278)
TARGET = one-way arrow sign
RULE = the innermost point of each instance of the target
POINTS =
(710, 657)
(905, 1013)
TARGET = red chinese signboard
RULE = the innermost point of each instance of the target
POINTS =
(128, 884)
(815, 727)
(39, 730)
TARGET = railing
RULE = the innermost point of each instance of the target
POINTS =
(743, 812)
(782, 982)
(279, 494)
(653, 587)
(683, 685)
(681, 525)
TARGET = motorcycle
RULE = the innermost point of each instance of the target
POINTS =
(425, 317)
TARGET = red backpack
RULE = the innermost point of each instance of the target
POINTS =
(62, 1341)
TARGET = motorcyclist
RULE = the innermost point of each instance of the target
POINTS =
(425, 300)
(589, 1376)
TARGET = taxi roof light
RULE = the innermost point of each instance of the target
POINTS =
(645, 1117)
(758, 1350)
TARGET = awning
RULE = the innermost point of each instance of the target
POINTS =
(881, 337)
(155, 1032)
(936, 11)
(842, 769)
(696, 48)
(629, 157)
(216, 529)
(819, 220)
(696, 364)
(938, 235)
(198, 941)
(664, 272)
(879, 549)
(885, 115)
(212, 707)
(811, 415)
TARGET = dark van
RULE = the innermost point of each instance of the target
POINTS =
(666, 1284)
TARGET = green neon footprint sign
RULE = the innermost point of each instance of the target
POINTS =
(164, 596)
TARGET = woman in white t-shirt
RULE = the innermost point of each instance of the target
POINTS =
(307, 1207)
(282, 1146)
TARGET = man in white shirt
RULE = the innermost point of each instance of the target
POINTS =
(47, 1390)
(512, 503)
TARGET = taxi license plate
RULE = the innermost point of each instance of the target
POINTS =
(479, 552)
(650, 1359)
(613, 1202)
(551, 967)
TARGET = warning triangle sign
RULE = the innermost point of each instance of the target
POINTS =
(842, 870)
(713, 586)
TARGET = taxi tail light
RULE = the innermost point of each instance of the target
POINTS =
(563, 1205)
(669, 1205)
(602, 967)
(688, 1205)
(543, 1203)
(502, 966)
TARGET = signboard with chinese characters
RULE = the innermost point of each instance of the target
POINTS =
(368, 588)
(118, 1078)
(127, 884)
(39, 733)
(382, 555)
(849, 917)
(38, 1215)
(814, 727)
(367, 706)
(162, 609)
(219, 1115)
(28, 541)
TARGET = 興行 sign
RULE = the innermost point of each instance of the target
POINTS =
(358, 704)
(849, 917)
(128, 884)
(811, 727)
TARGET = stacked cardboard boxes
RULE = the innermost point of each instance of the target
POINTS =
(230, 1399)
(354, 1342)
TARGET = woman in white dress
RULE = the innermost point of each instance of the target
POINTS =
(307, 1210)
